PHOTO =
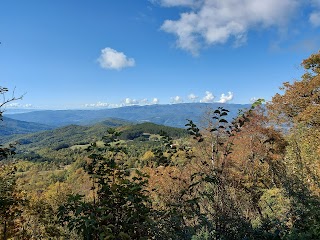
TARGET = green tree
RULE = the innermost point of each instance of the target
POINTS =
(10, 199)
(120, 206)
(10, 202)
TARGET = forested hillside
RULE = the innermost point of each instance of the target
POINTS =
(173, 115)
(219, 178)
(10, 127)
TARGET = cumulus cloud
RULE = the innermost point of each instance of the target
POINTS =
(226, 98)
(129, 101)
(112, 59)
(192, 97)
(208, 98)
(211, 22)
(155, 101)
(176, 99)
(144, 101)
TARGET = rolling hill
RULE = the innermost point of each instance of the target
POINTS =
(10, 126)
(174, 115)
(70, 135)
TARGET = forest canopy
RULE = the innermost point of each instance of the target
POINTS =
(248, 178)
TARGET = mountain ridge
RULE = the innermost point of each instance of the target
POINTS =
(9, 126)
(173, 115)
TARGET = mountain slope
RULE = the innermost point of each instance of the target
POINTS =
(10, 126)
(174, 115)
(80, 135)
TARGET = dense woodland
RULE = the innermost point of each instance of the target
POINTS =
(255, 177)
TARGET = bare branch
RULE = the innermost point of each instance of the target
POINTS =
(3, 91)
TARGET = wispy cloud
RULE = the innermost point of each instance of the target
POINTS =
(175, 3)
(112, 59)
(140, 102)
(315, 19)
(124, 102)
(101, 105)
(18, 105)
(211, 22)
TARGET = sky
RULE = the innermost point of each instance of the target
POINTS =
(109, 53)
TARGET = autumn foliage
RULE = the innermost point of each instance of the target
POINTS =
(255, 177)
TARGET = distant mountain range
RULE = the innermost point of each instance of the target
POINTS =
(10, 126)
(174, 115)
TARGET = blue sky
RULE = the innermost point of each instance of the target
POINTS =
(109, 53)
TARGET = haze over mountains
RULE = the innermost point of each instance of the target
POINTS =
(174, 115)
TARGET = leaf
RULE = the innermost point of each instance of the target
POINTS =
(223, 121)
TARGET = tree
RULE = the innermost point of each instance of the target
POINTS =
(221, 213)
(10, 201)
(299, 106)
(238, 165)
(120, 206)
(300, 102)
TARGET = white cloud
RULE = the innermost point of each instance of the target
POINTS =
(98, 105)
(253, 99)
(226, 98)
(125, 102)
(217, 21)
(208, 98)
(129, 101)
(176, 99)
(112, 59)
(18, 105)
(142, 102)
(192, 97)
(155, 101)
(315, 19)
